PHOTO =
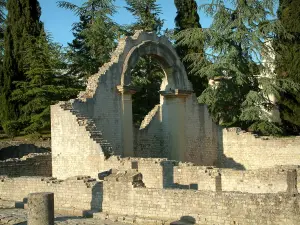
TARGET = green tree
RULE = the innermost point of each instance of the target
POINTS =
(288, 62)
(45, 84)
(147, 74)
(22, 23)
(146, 13)
(95, 36)
(233, 47)
(187, 17)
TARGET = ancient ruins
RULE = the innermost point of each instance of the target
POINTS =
(177, 166)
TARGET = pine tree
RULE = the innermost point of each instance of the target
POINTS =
(45, 84)
(233, 47)
(22, 23)
(288, 62)
(95, 36)
(147, 74)
(146, 13)
(187, 17)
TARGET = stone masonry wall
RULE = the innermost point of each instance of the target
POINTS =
(18, 149)
(148, 139)
(157, 173)
(72, 196)
(34, 164)
(126, 196)
(163, 173)
(201, 134)
(107, 108)
(245, 150)
(74, 152)
(269, 180)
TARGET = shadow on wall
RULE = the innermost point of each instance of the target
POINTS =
(20, 151)
(184, 220)
(168, 177)
(223, 160)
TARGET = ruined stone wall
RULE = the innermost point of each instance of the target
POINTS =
(269, 180)
(245, 150)
(39, 144)
(74, 152)
(163, 173)
(124, 196)
(148, 139)
(72, 196)
(157, 173)
(201, 134)
(107, 108)
(33, 164)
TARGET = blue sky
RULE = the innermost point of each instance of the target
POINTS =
(59, 21)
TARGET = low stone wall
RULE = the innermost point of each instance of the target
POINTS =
(243, 150)
(126, 196)
(269, 180)
(18, 149)
(157, 173)
(34, 164)
(163, 173)
(72, 196)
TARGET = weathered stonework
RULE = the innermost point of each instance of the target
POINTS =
(165, 171)
(178, 128)
(243, 150)
(34, 164)
(72, 196)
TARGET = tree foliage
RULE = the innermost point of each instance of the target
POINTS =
(22, 22)
(146, 13)
(288, 62)
(187, 17)
(95, 36)
(45, 84)
(233, 48)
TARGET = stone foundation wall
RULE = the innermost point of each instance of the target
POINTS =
(72, 196)
(18, 149)
(125, 196)
(157, 173)
(269, 180)
(163, 173)
(34, 164)
(247, 151)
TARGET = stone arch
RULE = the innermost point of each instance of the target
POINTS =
(111, 86)
(175, 73)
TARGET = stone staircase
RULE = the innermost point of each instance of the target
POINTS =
(90, 127)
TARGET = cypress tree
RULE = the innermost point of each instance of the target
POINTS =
(22, 23)
(288, 62)
(2, 28)
(187, 17)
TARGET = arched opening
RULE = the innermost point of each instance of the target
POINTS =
(146, 77)
(168, 85)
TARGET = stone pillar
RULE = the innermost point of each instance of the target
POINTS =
(292, 182)
(218, 180)
(127, 124)
(174, 101)
(41, 208)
